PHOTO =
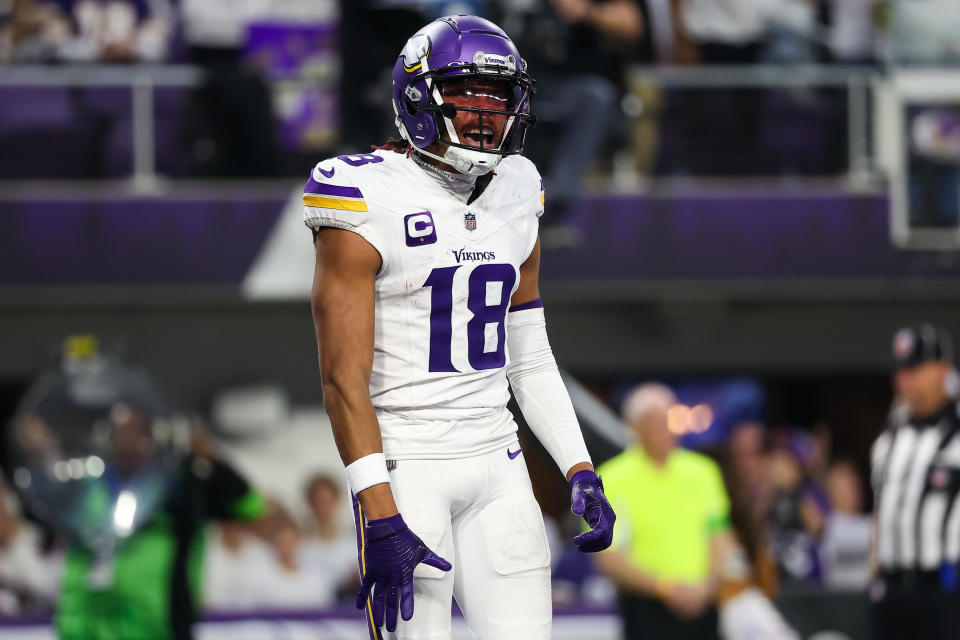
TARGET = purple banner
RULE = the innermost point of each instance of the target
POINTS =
(718, 236)
(213, 239)
(133, 241)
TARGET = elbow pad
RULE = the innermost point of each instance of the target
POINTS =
(540, 392)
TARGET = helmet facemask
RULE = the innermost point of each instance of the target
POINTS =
(500, 125)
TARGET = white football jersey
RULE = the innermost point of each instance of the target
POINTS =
(443, 292)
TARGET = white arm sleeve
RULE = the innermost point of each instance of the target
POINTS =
(539, 390)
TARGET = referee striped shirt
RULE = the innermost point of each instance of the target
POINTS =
(916, 479)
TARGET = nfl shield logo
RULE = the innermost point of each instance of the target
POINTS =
(470, 221)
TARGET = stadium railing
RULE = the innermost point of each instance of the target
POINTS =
(849, 105)
(140, 80)
(852, 88)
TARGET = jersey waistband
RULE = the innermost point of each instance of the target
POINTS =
(392, 453)
(405, 439)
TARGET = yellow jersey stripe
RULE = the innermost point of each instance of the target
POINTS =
(334, 203)
(541, 197)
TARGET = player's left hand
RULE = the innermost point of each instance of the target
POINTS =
(587, 500)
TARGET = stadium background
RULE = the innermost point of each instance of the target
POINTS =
(750, 234)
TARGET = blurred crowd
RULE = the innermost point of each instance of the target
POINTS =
(665, 31)
(277, 562)
(288, 81)
(811, 507)
(798, 515)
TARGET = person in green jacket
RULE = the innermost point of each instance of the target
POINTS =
(100, 457)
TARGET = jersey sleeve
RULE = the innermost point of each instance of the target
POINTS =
(332, 198)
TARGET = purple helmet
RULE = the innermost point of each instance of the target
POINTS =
(459, 47)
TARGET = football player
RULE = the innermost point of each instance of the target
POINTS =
(426, 304)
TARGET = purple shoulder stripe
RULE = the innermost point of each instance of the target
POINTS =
(321, 189)
(533, 304)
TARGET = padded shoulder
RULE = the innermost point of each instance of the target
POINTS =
(525, 180)
(334, 197)
(331, 185)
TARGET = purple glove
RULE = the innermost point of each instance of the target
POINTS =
(392, 552)
(587, 500)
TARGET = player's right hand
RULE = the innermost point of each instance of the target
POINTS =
(588, 501)
(391, 554)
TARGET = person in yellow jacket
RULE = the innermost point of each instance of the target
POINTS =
(673, 529)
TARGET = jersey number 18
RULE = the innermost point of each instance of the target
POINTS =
(441, 316)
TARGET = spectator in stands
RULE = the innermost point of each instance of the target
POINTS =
(235, 561)
(749, 463)
(270, 566)
(748, 576)
(112, 30)
(29, 31)
(329, 551)
(576, 49)
(29, 577)
(673, 527)
(230, 125)
(796, 515)
(368, 60)
(851, 31)
(723, 139)
(792, 32)
(710, 32)
(845, 547)
(288, 583)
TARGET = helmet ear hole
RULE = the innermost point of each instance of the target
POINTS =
(412, 96)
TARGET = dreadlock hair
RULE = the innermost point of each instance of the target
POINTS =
(397, 145)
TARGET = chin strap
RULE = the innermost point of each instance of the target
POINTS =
(451, 161)
(461, 164)
(455, 160)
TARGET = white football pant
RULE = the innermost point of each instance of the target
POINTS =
(480, 514)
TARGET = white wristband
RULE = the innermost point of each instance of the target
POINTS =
(367, 471)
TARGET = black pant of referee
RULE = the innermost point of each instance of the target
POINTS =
(915, 606)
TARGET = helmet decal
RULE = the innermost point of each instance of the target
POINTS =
(413, 54)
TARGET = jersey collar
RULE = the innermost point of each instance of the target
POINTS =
(459, 185)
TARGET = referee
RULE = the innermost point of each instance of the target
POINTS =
(916, 479)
